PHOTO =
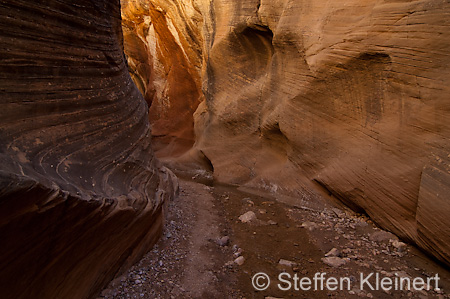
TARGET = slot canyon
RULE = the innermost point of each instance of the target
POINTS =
(180, 148)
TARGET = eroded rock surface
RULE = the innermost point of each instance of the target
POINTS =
(345, 96)
(349, 94)
(163, 43)
(81, 195)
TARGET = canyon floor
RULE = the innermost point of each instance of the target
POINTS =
(207, 251)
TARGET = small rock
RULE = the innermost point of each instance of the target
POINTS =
(248, 201)
(400, 246)
(310, 225)
(239, 261)
(339, 212)
(248, 217)
(361, 223)
(357, 291)
(365, 265)
(381, 236)
(334, 261)
(333, 252)
(238, 253)
(402, 274)
(271, 222)
(224, 241)
(287, 263)
(137, 281)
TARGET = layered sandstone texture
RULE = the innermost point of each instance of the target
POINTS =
(163, 44)
(81, 195)
(348, 95)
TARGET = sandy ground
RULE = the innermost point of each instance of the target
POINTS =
(207, 252)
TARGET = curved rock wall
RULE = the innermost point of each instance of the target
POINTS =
(81, 195)
(349, 95)
(345, 96)
(163, 44)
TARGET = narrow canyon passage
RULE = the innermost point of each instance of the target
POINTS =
(198, 255)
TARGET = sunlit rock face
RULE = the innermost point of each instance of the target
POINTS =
(348, 95)
(81, 194)
(163, 44)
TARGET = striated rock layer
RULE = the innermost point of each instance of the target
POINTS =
(163, 44)
(81, 195)
(349, 97)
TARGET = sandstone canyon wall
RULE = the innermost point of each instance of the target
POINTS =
(346, 96)
(163, 44)
(81, 195)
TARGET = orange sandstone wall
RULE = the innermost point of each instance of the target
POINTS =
(163, 44)
(352, 95)
(348, 95)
